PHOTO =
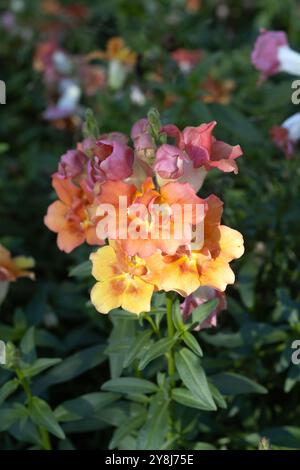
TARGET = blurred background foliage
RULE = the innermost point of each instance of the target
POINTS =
(53, 316)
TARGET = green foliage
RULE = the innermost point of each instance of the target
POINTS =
(231, 387)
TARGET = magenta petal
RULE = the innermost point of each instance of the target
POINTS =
(71, 164)
(265, 53)
(118, 165)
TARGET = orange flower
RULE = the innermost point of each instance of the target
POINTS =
(116, 50)
(217, 91)
(12, 268)
(123, 281)
(149, 220)
(208, 266)
(73, 216)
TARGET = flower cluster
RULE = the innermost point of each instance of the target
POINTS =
(143, 199)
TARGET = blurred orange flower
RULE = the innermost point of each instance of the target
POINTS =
(12, 268)
(217, 91)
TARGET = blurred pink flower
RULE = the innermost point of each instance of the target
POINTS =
(202, 295)
(286, 135)
(272, 54)
(186, 59)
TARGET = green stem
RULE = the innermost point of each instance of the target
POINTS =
(171, 332)
(42, 431)
(45, 438)
(150, 320)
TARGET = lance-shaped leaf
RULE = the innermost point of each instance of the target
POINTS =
(193, 376)
(129, 385)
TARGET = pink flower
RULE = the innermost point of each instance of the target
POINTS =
(186, 59)
(115, 137)
(202, 151)
(265, 53)
(169, 162)
(112, 160)
(71, 164)
(287, 135)
(280, 137)
(202, 295)
(141, 136)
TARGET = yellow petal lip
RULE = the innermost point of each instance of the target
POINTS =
(137, 296)
(231, 243)
(105, 263)
(105, 296)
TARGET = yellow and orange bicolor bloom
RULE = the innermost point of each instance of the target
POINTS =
(72, 217)
(116, 49)
(123, 281)
(209, 266)
(12, 268)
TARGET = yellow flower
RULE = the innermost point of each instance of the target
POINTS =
(123, 281)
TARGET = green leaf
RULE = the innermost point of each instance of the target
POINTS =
(177, 316)
(123, 330)
(42, 415)
(71, 367)
(39, 366)
(229, 383)
(292, 378)
(217, 396)
(246, 280)
(136, 347)
(7, 389)
(185, 397)
(3, 147)
(117, 347)
(201, 312)
(203, 446)
(126, 428)
(129, 385)
(84, 406)
(192, 343)
(27, 345)
(238, 124)
(153, 434)
(157, 349)
(193, 376)
(9, 415)
(82, 270)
